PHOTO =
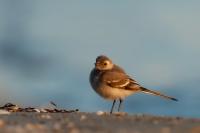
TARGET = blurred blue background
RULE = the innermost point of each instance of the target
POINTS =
(47, 49)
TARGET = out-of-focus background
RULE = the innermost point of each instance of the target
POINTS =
(47, 49)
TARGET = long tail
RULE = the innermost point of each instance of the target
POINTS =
(156, 93)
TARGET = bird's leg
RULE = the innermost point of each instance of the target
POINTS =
(112, 106)
(120, 104)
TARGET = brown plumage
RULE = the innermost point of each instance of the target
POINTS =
(111, 82)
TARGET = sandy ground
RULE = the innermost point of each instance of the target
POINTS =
(99, 122)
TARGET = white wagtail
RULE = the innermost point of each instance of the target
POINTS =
(111, 82)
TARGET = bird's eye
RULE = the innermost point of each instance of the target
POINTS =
(105, 63)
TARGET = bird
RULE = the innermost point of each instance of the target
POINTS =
(111, 82)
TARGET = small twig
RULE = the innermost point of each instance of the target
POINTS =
(52, 103)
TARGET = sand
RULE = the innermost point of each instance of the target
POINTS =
(100, 122)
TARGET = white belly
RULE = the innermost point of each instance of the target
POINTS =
(112, 93)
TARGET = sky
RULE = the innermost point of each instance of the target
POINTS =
(48, 48)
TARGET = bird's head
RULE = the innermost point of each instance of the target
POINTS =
(103, 63)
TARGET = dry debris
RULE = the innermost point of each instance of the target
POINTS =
(15, 108)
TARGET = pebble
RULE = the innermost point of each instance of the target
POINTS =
(165, 130)
(155, 122)
(46, 116)
(83, 117)
(100, 113)
(4, 112)
(72, 128)
(2, 123)
(57, 126)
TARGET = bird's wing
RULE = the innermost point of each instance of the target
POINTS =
(116, 79)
